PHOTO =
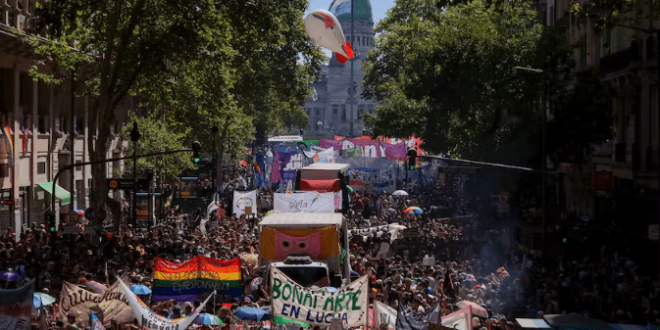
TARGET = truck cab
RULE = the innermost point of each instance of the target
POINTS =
(304, 269)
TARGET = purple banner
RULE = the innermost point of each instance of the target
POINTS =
(370, 148)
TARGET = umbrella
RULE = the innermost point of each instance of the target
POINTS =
(252, 314)
(95, 286)
(79, 212)
(477, 310)
(9, 275)
(41, 299)
(140, 289)
(414, 209)
(400, 193)
(208, 319)
(270, 212)
(256, 282)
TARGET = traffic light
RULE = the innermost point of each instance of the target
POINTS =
(412, 158)
(564, 240)
(196, 147)
(50, 222)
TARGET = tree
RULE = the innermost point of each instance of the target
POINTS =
(448, 75)
(110, 45)
(155, 136)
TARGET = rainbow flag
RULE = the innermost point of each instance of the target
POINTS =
(189, 280)
(6, 131)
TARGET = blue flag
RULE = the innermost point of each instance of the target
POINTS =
(94, 322)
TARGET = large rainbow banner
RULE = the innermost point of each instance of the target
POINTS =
(191, 279)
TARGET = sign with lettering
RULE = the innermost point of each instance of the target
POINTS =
(349, 303)
(242, 200)
(80, 302)
(304, 202)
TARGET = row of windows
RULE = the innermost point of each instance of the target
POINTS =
(356, 41)
(320, 112)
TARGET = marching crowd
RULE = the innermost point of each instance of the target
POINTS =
(443, 257)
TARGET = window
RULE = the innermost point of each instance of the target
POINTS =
(343, 112)
(79, 168)
(370, 108)
(41, 168)
(360, 111)
(318, 112)
(4, 170)
(335, 108)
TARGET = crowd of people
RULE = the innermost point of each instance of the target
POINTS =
(444, 256)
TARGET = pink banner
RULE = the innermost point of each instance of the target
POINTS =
(370, 148)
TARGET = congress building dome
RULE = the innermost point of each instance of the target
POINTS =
(342, 9)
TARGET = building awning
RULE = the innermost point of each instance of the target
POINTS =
(61, 193)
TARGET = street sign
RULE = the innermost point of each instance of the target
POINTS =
(120, 183)
(91, 213)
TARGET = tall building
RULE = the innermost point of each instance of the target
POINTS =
(330, 114)
(43, 130)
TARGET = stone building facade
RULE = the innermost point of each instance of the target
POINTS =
(330, 114)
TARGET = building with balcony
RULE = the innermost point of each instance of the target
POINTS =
(43, 128)
(330, 113)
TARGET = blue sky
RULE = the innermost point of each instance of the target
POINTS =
(378, 9)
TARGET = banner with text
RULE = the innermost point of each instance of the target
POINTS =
(80, 302)
(152, 321)
(304, 202)
(370, 148)
(243, 200)
(16, 307)
(372, 174)
(291, 300)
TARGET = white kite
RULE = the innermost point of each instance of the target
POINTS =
(322, 26)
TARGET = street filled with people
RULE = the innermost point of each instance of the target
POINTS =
(437, 255)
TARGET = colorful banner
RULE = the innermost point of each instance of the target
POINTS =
(304, 202)
(243, 200)
(269, 242)
(16, 307)
(80, 302)
(372, 174)
(370, 148)
(349, 303)
(461, 319)
(384, 314)
(188, 280)
(152, 321)
(406, 319)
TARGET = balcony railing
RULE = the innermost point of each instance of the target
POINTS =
(15, 14)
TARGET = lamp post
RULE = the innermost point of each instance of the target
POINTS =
(214, 130)
(135, 136)
(543, 152)
(351, 90)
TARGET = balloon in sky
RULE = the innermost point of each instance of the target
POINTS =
(323, 27)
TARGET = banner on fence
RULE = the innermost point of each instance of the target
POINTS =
(349, 303)
(243, 200)
(16, 307)
(305, 202)
(80, 302)
(152, 321)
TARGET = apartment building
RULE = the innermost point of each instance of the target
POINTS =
(42, 130)
(620, 184)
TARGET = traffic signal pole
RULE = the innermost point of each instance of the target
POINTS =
(72, 166)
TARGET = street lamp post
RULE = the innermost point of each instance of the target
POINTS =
(135, 136)
(214, 130)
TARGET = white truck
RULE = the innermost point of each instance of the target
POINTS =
(304, 269)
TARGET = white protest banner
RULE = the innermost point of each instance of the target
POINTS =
(305, 202)
(80, 302)
(293, 301)
(16, 307)
(384, 314)
(244, 199)
(461, 319)
(148, 319)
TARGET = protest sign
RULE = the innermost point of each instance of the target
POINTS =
(80, 302)
(293, 301)
(369, 148)
(305, 202)
(16, 307)
(243, 200)
(384, 314)
(152, 321)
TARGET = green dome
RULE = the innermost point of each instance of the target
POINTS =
(342, 9)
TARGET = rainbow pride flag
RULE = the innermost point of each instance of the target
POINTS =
(191, 279)
(6, 131)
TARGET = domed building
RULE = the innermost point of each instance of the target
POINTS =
(330, 114)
